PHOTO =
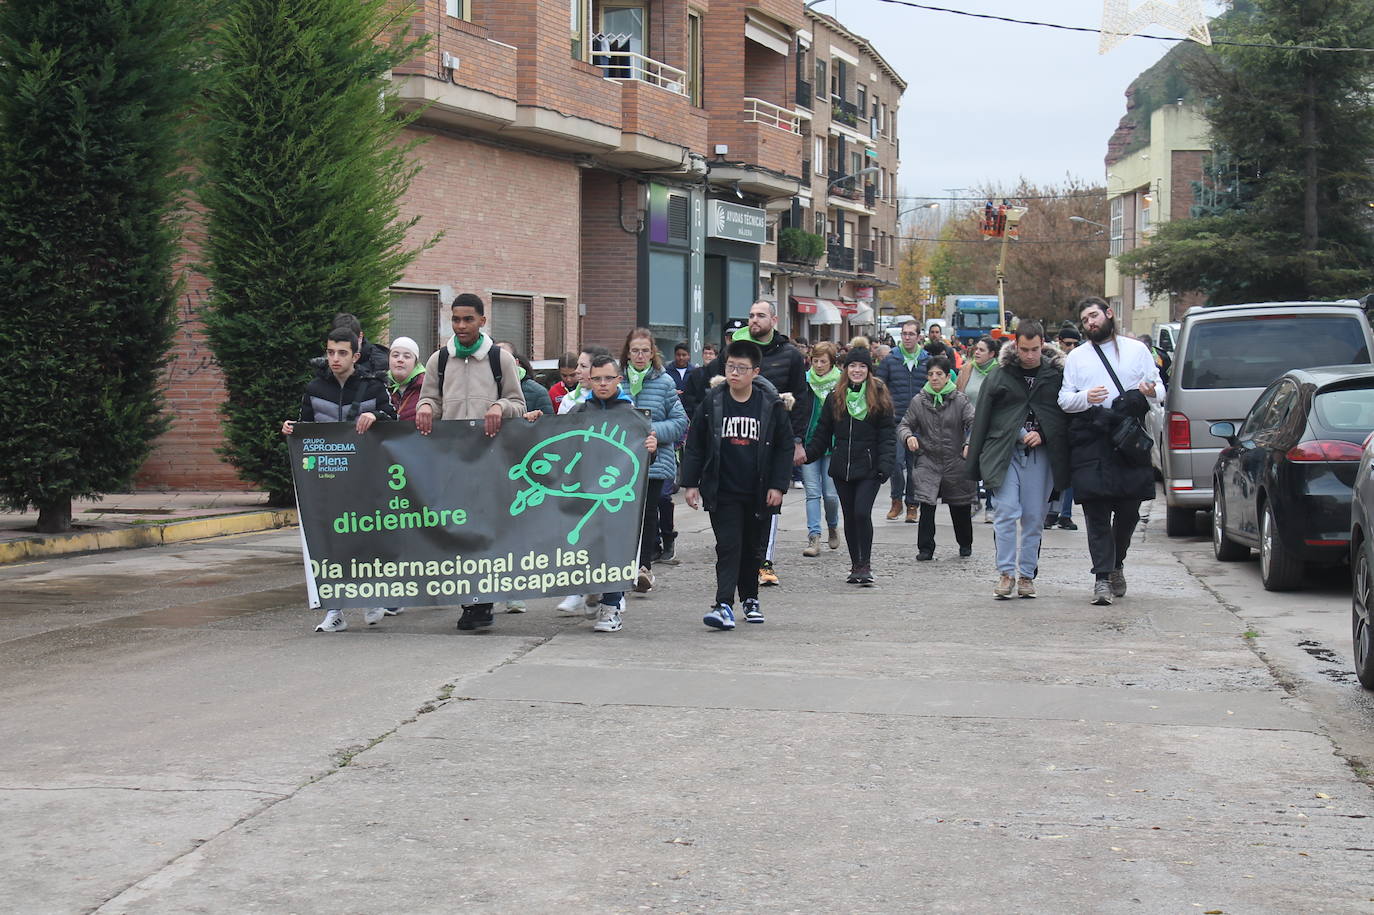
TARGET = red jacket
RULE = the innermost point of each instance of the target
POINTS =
(406, 399)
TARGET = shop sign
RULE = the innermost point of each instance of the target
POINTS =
(737, 223)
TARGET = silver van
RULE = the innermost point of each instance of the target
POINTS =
(1226, 355)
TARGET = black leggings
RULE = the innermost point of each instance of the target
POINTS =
(856, 504)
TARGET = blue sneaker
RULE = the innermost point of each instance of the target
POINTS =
(720, 617)
(752, 613)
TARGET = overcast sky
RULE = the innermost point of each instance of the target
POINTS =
(991, 102)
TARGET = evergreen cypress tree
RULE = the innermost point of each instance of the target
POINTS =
(1284, 206)
(93, 102)
(303, 177)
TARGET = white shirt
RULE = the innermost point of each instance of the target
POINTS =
(1083, 370)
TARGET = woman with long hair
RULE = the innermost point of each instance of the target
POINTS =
(823, 377)
(937, 426)
(652, 390)
(857, 417)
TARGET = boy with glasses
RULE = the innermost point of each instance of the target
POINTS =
(738, 462)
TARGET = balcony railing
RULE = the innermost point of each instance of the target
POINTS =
(866, 261)
(629, 65)
(870, 196)
(757, 111)
(846, 113)
(842, 186)
(839, 257)
(803, 93)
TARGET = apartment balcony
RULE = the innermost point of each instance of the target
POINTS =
(657, 118)
(470, 85)
(866, 261)
(765, 148)
(838, 257)
(846, 113)
(758, 111)
(843, 186)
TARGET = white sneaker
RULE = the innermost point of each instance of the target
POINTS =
(333, 622)
(573, 603)
(395, 611)
(608, 619)
(373, 615)
(515, 606)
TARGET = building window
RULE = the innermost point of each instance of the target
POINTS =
(820, 223)
(457, 8)
(580, 13)
(415, 315)
(821, 79)
(555, 314)
(1142, 218)
(1117, 228)
(695, 72)
(862, 101)
(510, 320)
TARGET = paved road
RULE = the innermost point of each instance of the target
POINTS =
(177, 739)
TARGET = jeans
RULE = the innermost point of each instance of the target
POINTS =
(856, 501)
(1065, 511)
(666, 530)
(1110, 527)
(738, 528)
(961, 515)
(816, 476)
(1021, 499)
(904, 475)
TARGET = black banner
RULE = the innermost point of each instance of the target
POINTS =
(393, 518)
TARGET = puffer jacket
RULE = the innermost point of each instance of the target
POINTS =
(536, 398)
(941, 433)
(327, 401)
(902, 383)
(860, 449)
(658, 395)
(783, 365)
(701, 455)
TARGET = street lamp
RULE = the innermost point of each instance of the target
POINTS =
(872, 169)
(1091, 222)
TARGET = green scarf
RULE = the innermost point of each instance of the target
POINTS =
(909, 357)
(463, 352)
(520, 371)
(822, 385)
(857, 401)
(743, 334)
(396, 386)
(941, 394)
(992, 363)
(636, 377)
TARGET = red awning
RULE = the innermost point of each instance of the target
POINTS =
(824, 310)
(847, 309)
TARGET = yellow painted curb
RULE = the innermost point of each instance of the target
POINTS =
(151, 534)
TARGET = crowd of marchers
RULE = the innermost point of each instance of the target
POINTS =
(1018, 428)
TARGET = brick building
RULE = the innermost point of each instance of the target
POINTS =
(595, 165)
(848, 96)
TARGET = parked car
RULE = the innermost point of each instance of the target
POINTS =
(1227, 355)
(1283, 482)
(1362, 566)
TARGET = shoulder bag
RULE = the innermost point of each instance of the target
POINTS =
(1129, 438)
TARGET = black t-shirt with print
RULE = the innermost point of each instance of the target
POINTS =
(740, 444)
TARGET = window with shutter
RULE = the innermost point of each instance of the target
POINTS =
(679, 219)
(415, 315)
(510, 320)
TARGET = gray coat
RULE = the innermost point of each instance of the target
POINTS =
(941, 434)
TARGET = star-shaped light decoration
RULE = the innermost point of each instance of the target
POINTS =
(1120, 22)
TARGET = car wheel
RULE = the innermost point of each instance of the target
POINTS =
(1180, 521)
(1280, 570)
(1362, 634)
(1223, 547)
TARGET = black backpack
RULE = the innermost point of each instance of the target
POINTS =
(494, 358)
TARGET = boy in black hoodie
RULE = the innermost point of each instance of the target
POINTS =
(738, 462)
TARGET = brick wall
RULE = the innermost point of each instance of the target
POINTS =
(1186, 168)
(663, 115)
(609, 254)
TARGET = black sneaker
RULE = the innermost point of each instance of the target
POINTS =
(853, 578)
(965, 551)
(924, 556)
(474, 618)
(1051, 520)
(866, 576)
(668, 556)
(1066, 524)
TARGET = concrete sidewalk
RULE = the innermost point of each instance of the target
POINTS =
(126, 520)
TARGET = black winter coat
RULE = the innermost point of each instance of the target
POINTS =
(783, 365)
(1099, 473)
(863, 448)
(701, 455)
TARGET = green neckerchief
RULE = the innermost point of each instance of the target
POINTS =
(909, 357)
(743, 334)
(520, 371)
(941, 394)
(992, 363)
(463, 352)
(577, 393)
(857, 401)
(395, 385)
(822, 385)
(636, 377)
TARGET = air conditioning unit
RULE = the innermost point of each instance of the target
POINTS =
(448, 61)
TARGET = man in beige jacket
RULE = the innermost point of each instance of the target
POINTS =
(470, 378)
